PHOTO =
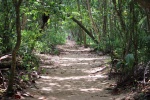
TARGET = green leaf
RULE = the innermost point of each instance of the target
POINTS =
(25, 77)
(142, 21)
(129, 59)
(118, 65)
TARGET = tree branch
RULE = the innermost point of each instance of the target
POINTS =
(89, 33)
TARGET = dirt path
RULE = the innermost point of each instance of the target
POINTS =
(76, 74)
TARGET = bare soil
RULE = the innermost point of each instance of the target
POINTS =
(76, 74)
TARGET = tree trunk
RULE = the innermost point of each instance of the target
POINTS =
(24, 21)
(92, 21)
(105, 18)
(16, 48)
(122, 23)
(80, 34)
(124, 33)
(88, 33)
(83, 33)
(148, 18)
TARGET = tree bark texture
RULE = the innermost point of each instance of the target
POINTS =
(16, 48)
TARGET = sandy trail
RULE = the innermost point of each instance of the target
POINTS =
(76, 74)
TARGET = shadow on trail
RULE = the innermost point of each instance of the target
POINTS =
(76, 74)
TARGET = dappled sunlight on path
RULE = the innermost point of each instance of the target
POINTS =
(76, 74)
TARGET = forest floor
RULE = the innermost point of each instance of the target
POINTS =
(75, 74)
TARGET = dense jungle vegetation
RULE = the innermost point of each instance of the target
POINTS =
(120, 28)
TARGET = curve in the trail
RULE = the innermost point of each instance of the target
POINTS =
(76, 74)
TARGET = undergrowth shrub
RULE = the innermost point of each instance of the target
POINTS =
(49, 40)
(29, 61)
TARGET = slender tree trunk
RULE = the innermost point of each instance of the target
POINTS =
(80, 34)
(16, 48)
(124, 33)
(122, 23)
(24, 21)
(132, 30)
(133, 41)
(83, 33)
(105, 18)
(99, 27)
(148, 19)
(92, 20)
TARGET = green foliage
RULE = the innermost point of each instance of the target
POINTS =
(6, 26)
(129, 60)
(29, 39)
(49, 40)
(29, 61)
(144, 49)
(42, 47)
(126, 66)
(25, 77)
(119, 65)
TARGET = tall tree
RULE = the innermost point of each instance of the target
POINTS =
(104, 17)
(80, 33)
(17, 4)
(92, 20)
